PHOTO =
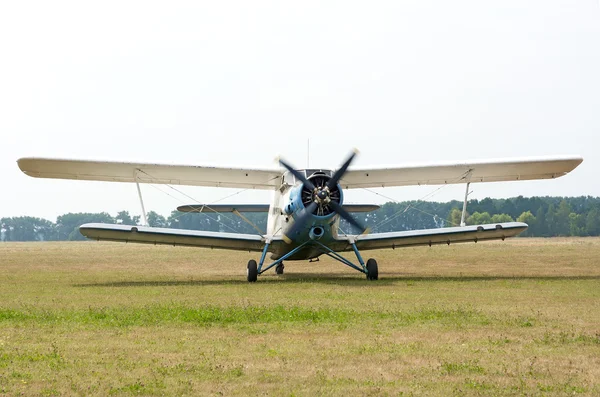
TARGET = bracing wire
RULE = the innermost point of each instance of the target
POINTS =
(204, 205)
(182, 214)
(377, 226)
(410, 206)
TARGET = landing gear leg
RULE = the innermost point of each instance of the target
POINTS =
(369, 268)
(372, 271)
(279, 268)
(252, 271)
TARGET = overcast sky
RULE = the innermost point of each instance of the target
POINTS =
(238, 83)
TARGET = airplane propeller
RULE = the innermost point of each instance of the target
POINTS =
(321, 196)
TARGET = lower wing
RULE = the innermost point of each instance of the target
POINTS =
(430, 237)
(254, 242)
(163, 236)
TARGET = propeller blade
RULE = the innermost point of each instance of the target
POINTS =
(341, 171)
(300, 222)
(346, 215)
(298, 175)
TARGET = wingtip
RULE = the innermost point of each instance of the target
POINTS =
(21, 163)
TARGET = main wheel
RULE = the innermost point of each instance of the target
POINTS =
(372, 271)
(279, 268)
(252, 271)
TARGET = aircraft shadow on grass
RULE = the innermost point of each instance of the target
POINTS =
(302, 278)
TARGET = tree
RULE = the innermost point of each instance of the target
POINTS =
(539, 226)
(506, 206)
(479, 218)
(27, 228)
(124, 218)
(522, 204)
(528, 218)
(156, 220)
(592, 223)
(67, 225)
(487, 205)
(551, 221)
(577, 224)
(501, 218)
(454, 217)
(562, 221)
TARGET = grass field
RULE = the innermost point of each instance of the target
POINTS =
(515, 317)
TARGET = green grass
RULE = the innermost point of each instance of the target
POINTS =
(518, 317)
(159, 315)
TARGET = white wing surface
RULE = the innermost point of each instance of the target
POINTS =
(164, 236)
(461, 172)
(430, 237)
(151, 173)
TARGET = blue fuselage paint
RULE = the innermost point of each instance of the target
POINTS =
(329, 223)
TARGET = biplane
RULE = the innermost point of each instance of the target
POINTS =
(303, 220)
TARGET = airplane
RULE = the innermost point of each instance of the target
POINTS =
(307, 205)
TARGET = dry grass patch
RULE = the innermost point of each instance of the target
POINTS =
(518, 317)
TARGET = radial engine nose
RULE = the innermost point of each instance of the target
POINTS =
(316, 233)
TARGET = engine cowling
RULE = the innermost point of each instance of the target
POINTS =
(322, 195)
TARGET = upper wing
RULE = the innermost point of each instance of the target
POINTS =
(474, 171)
(432, 236)
(155, 235)
(150, 173)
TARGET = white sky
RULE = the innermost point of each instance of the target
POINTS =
(237, 83)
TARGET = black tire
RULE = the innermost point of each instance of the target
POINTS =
(372, 271)
(279, 268)
(252, 271)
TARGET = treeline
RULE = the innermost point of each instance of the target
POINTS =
(546, 217)
(66, 227)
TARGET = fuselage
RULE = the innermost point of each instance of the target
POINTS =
(289, 201)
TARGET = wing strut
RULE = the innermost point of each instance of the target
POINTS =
(248, 221)
(464, 211)
(141, 199)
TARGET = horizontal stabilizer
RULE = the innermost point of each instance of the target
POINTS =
(361, 207)
(260, 207)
